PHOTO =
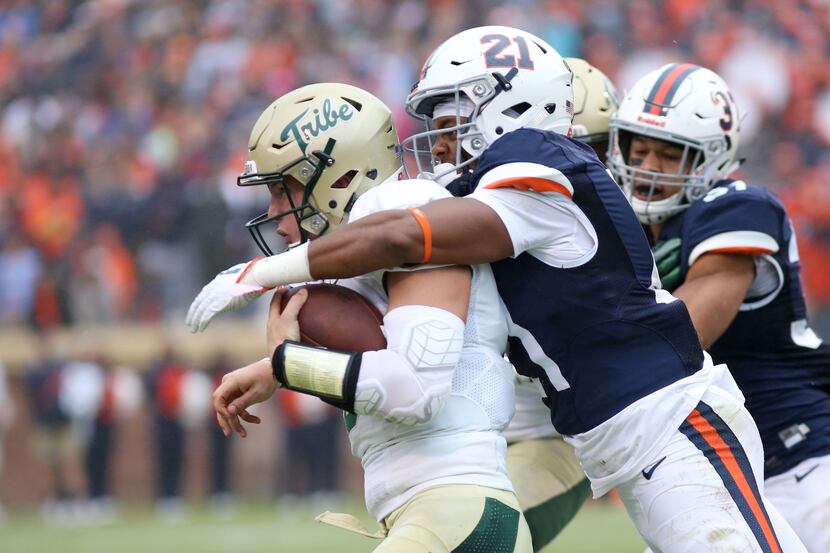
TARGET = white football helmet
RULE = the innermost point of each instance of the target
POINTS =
(493, 80)
(335, 139)
(687, 105)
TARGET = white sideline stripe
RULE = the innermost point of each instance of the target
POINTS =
(525, 169)
(734, 239)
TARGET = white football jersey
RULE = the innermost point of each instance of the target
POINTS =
(531, 421)
(462, 444)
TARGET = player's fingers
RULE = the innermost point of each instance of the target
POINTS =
(196, 323)
(234, 421)
(247, 417)
(240, 404)
(206, 315)
(200, 313)
(222, 397)
(292, 308)
(276, 302)
(226, 429)
(190, 319)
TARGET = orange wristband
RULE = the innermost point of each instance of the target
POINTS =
(421, 217)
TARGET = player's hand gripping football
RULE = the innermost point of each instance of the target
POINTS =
(255, 383)
(667, 258)
(230, 290)
(284, 325)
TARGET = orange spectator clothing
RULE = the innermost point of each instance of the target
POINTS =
(51, 211)
(169, 390)
(118, 267)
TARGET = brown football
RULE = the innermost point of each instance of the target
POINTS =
(338, 318)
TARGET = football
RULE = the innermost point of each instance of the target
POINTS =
(338, 318)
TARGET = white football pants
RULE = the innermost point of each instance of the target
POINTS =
(802, 496)
(701, 492)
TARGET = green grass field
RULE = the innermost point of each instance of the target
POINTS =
(266, 529)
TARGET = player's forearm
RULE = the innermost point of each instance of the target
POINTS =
(711, 313)
(713, 304)
(383, 240)
(713, 292)
(460, 232)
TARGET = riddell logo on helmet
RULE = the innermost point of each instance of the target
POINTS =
(661, 122)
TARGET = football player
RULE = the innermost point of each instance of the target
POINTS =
(424, 415)
(623, 372)
(548, 480)
(728, 250)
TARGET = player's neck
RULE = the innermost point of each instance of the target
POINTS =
(655, 230)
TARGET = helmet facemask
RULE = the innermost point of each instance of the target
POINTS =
(695, 176)
(464, 101)
(306, 170)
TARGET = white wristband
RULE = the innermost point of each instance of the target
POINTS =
(289, 267)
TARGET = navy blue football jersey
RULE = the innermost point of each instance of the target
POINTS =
(595, 330)
(779, 363)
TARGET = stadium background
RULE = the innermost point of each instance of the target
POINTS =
(122, 127)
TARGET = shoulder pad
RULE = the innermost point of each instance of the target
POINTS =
(733, 217)
(397, 195)
(532, 146)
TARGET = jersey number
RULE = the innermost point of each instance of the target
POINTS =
(493, 56)
(726, 120)
(537, 355)
(716, 193)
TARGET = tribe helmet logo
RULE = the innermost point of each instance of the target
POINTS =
(317, 122)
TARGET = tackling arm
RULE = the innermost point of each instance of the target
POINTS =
(463, 231)
(713, 291)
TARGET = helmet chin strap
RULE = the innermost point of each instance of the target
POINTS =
(326, 161)
(651, 212)
(443, 174)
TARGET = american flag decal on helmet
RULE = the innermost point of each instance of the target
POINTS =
(569, 107)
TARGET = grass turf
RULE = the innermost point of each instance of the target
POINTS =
(255, 528)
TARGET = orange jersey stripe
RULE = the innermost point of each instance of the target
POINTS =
(423, 222)
(749, 250)
(725, 453)
(667, 83)
(531, 183)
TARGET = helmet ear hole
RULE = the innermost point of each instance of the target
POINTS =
(516, 111)
(345, 180)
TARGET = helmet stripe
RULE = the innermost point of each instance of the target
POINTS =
(664, 89)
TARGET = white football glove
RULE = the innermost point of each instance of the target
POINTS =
(230, 290)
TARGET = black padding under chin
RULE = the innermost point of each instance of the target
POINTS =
(624, 140)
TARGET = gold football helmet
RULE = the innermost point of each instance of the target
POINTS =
(595, 101)
(335, 139)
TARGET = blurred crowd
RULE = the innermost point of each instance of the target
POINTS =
(123, 123)
(85, 435)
